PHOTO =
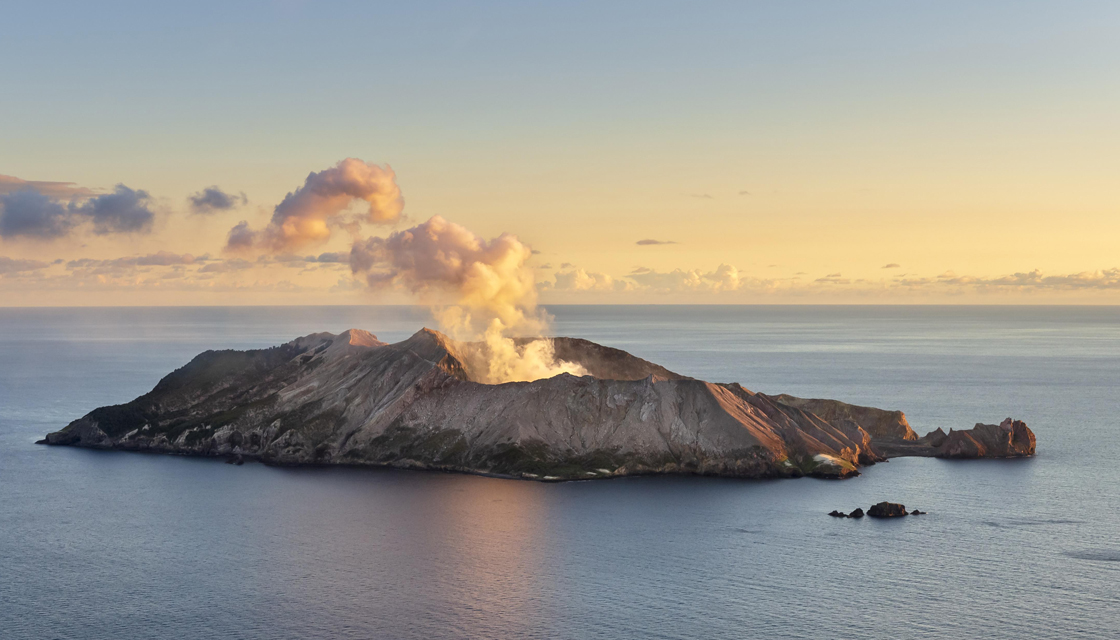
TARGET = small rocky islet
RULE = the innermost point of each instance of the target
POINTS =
(879, 510)
(350, 399)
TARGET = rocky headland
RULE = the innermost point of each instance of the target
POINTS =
(351, 399)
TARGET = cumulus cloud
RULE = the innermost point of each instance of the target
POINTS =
(122, 211)
(213, 200)
(581, 280)
(893, 265)
(32, 214)
(14, 265)
(648, 241)
(724, 278)
(240, 237)
(306, 215)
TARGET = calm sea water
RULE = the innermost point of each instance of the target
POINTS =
(105, 545)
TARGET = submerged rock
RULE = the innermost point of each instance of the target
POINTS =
(352, 399)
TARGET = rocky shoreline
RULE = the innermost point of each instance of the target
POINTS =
(353, 400)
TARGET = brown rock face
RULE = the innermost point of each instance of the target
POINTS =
(1009, 439)
(879, 423)
(887, 510)
(935, 438)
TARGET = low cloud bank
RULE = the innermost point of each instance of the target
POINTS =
(14, 265)
(1105, 279)
(158, 259)
(727, 279)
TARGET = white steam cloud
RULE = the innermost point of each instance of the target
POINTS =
(480, 291)
(306, 215)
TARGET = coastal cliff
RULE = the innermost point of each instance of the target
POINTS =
(352, 399)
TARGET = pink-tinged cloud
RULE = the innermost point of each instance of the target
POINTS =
(306, 215)
(59, 190)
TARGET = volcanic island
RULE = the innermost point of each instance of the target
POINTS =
(350, 399)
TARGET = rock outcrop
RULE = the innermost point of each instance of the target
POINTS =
(881, 510)
(887, 510)
(1008, 439)
(352, 399)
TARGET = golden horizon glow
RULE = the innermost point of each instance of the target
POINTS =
(768, 157)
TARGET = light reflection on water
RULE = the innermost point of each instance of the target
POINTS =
(119, 545)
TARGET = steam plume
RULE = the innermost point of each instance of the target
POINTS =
(480, 290)
(305, 216)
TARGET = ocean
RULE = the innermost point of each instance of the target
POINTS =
(111, 545)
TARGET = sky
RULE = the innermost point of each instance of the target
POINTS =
(642, 152)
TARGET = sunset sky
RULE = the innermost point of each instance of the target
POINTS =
(646, 152)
